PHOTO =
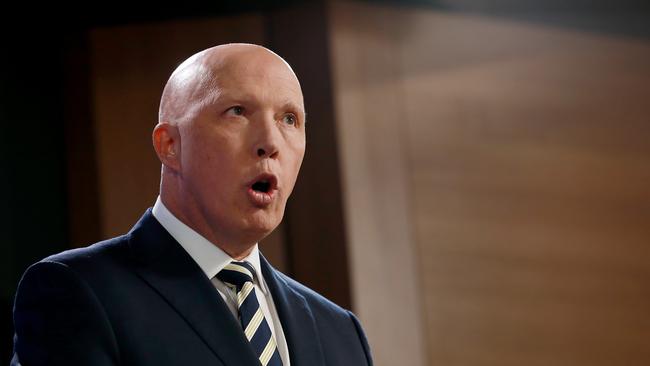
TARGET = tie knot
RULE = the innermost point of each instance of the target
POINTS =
(237, 274)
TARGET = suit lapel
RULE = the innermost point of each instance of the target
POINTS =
(297, 319)
(165, 265)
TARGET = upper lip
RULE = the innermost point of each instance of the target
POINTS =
(270, 178)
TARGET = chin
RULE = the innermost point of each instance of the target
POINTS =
(262, 225)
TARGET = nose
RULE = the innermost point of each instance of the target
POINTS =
(267, 139)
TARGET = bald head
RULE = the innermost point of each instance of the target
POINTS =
(196, 81)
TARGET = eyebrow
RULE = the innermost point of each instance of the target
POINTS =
(291, 105)
(245, 97)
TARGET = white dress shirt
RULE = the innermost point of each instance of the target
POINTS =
(212, 259)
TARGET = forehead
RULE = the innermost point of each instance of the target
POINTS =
(265, 78)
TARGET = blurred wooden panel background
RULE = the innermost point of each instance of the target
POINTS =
(525, 152)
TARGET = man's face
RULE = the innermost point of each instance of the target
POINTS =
(242, 152)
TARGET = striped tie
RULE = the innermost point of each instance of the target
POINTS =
(239, 276)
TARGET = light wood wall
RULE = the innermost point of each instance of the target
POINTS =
(497, 186)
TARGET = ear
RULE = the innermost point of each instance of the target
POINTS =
(167, 143)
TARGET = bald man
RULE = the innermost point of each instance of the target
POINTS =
(188, 284)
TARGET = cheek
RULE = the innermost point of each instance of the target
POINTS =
(211, 173)
(298, 148)
(294, 168)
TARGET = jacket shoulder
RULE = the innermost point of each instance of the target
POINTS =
(313, 297)
(102, 252)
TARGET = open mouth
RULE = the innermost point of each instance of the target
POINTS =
(261, 186)
(261, 191)
(265, 183)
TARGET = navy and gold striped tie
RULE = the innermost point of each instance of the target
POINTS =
(239, 276)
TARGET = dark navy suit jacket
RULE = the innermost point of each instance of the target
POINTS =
(140, 299)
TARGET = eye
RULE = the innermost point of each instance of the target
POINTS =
(290, 119)
(235, 111)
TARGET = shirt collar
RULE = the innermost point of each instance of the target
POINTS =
(207, 255)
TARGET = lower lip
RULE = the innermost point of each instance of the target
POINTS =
(261, 199)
